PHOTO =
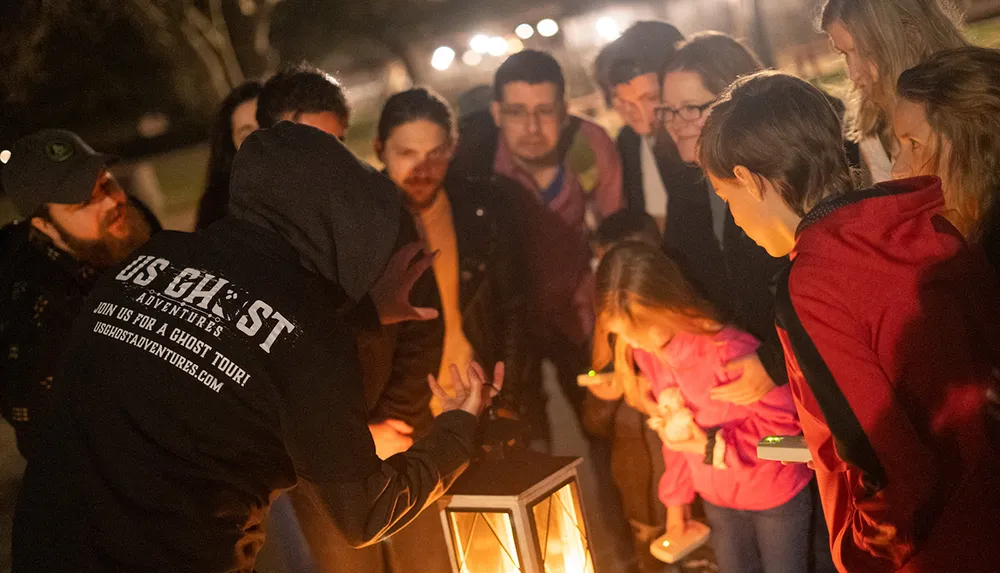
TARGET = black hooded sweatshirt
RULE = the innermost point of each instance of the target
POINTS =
(214, 370)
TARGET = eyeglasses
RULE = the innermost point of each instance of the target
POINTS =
(520, 114)
(666, 114)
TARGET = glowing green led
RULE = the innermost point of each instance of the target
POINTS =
(592, 373)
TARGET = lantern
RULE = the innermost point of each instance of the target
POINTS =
(520, 513)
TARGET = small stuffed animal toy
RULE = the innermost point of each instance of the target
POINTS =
(673, 419)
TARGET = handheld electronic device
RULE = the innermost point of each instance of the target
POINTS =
(788, 449)
(673, 549)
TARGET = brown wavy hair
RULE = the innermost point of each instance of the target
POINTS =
(638, 283)
(960, 91)
(894, 35)
(717, 58)
(781, 128)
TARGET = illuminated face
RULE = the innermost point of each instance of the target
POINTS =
(918, 143)
(650, 338)
(322, 120)
(530, 119)
(636, 102)
(685, 110)
(760, 218)
(101, 231)
(862, 71)
(416, 156)
(244, 121)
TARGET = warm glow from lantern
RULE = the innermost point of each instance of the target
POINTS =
(484, 542)
(561, 533)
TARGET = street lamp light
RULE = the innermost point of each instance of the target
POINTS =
(524, 31)
(547, 28)
(442, 58)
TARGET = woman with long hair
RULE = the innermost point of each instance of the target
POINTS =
(760, 511)
(235, 120)
(879, 39)
(947, 121)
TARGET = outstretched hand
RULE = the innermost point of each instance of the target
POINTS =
(391, 291)
(472, 393)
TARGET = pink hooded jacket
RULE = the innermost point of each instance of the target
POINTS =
(695, 364)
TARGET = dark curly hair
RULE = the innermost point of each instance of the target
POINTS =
(301, 88)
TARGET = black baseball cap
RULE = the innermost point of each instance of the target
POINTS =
(51, 166)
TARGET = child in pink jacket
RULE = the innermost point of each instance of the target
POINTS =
(760, 511)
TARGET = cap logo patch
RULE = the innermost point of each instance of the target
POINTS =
(59, 151)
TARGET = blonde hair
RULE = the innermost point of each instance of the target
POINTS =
(960, 91)
(895, 35)
(640, 284)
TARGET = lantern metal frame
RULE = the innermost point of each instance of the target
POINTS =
(515, 486)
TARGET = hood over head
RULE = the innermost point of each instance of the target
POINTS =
(338, 213)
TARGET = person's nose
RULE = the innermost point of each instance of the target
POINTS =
(901, 168)
(534, 122)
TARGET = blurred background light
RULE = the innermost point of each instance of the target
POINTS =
(514, 45)
(548, 27)
(472, 58)
(498, 46)
(524, 31)
(480, 43)
(608, 28)
(442, 58)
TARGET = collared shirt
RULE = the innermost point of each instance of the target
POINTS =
(42, 288)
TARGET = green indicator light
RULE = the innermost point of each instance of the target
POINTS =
(773, 439)
(591, 373)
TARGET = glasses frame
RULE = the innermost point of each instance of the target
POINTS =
(666, 114)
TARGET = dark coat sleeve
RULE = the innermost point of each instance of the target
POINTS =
(324, 423)
(628, 149)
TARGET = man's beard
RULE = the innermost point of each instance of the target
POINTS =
(424, 199)
(109, 249)
(547, 159)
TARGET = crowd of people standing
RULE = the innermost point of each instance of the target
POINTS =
(752, 257)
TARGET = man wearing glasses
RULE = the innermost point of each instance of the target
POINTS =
(574, 176)
(629, 71)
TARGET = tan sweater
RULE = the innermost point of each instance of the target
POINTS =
(438, 231)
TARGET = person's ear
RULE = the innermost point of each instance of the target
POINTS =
(754, 184)
(49, 230)
(379, 148)
(495, 112)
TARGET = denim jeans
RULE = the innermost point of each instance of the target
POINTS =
(776, 540)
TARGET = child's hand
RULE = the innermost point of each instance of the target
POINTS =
(753, 384)
(695, 445)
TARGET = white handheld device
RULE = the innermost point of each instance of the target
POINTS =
(673, 549)
(788, 449)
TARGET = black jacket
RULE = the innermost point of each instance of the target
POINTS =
(42, 288)
(396, 358)
(214, 370)
(628, 144)
(736, 277)
(492, 274)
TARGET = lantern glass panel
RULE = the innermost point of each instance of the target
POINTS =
(562, 535)
(484, 542)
